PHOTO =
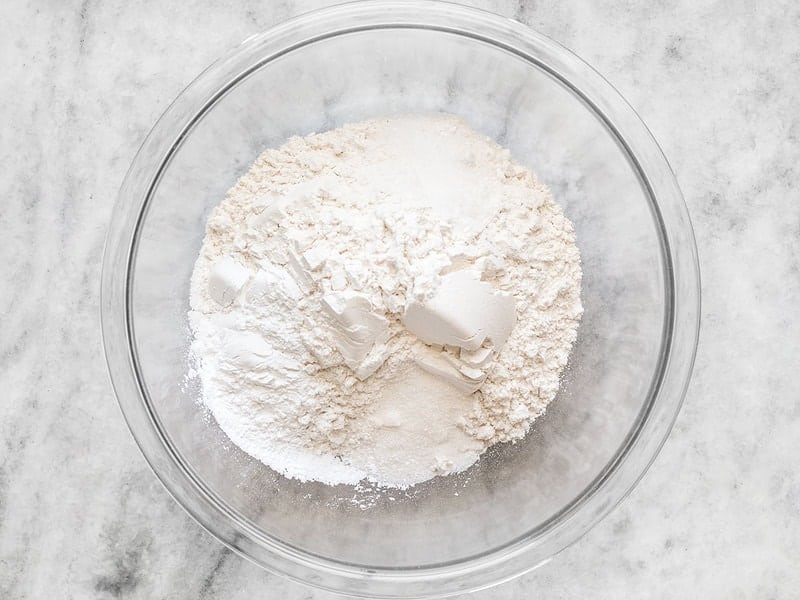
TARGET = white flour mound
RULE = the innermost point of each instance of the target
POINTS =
(310, 353)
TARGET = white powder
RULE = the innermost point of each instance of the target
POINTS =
(383, 301)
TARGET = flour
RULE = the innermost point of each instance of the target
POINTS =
(383, 301)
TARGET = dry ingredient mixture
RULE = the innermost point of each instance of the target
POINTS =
(383, 301)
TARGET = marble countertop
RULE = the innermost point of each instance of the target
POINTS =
(82, 516)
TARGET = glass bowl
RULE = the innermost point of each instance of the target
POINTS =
(521, 503)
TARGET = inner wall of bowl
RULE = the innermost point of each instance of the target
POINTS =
(515, 489)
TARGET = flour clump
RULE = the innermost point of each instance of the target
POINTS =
(383, 302)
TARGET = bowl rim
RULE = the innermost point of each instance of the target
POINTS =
(681, 327)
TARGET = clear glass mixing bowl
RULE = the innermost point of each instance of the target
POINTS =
(521, 503)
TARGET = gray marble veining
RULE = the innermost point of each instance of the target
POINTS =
(81, 515)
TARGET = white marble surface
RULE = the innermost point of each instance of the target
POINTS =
(718, 514)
